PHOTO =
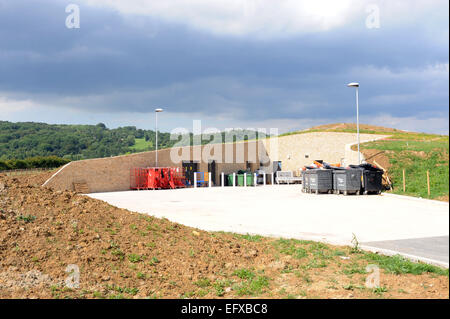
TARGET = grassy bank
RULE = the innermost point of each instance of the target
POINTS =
(416, 153)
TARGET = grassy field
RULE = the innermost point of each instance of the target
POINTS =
(416, 153)
(141, 145)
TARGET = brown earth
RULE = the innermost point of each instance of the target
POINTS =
(380, 157)
(121, 254)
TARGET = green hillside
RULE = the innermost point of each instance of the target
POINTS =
(416, 153)
(26, 140)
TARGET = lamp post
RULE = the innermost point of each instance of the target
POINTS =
(356, 85)
(156, 130)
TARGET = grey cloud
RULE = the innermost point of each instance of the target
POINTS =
(124, 64)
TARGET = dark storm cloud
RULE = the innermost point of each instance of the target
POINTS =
(116, 63)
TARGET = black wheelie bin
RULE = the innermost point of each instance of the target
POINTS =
(372, 178)
(320, 180)
(347, 181)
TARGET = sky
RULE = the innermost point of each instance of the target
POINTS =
(230, 63)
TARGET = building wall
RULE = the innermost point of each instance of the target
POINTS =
(330, 147)
(113, 173)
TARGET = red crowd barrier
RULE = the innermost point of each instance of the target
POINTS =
(157, 178)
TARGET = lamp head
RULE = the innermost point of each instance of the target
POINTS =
(158, 110)
(353, 85)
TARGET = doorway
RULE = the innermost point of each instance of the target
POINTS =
(212, 170)
(190, 168)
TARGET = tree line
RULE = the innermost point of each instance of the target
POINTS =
(73, 142)
(33, 162)
(25, 144)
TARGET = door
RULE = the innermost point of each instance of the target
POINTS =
(190, 168)
(276, 168)
(212, 170)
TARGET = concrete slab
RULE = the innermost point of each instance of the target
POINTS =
(432, 248)
(284, 211)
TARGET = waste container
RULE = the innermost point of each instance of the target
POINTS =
(230, 180)
(240, 179)
(305, 181)
(260, 178)
(347, 180)
(372, 178)
(250, 179)
(320, 180)
(225, 179)
(372, 181)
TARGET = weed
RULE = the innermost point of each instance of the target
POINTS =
(379, 290)
(131, 291)
(354, 268)
(202, 293)
(289, 247)
(355, 248)
(153, 261)
(244, 273)
(353, 287)
(253, 286)
(97, 294)
(220, 285)
(134, 258)
(141, 275)
(252, 238)
(26, 218)
(188, 294)
(287, 269)
(118, 253)
(150, 245)
(203, 283)
(314, 263)
(339, 253)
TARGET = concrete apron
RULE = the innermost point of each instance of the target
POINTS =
(284, 211)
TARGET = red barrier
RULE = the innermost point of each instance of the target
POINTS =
(157, 178)
(138, 178)
(178, 177)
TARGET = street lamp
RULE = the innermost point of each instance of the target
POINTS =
(356, 85)
(156, 129)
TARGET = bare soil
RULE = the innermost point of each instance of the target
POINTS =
(121, 254)
(380, 157)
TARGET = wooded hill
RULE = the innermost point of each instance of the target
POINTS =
(25, 140)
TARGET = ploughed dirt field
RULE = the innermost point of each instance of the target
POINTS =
(121, 254)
